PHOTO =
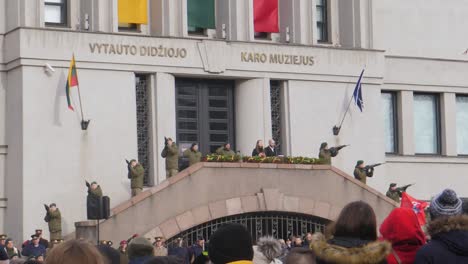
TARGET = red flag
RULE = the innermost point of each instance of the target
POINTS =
(418, 207)
(266, 16)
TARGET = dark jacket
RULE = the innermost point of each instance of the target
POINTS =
(449, 242)
(193, 156)
(3, 253)
(257, 152)
(270, 152)
(44, 242)
(93, 202)
(362, 174)
(402, 229)
(31, 250)
(180, 252)
(140, 260)
(55, 221)
(171, 154)
(349, 250)
(123, 257)
(195, 251)
(137, 174)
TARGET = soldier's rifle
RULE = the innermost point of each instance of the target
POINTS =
(403, 188)
(334, 150)
(370, 167)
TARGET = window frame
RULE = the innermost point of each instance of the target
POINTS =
(438, 124)
(396, 140)
(464, 155)
(324, 25)
(132, 27)
(63, 15)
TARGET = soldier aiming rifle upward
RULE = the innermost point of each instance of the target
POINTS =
(395, 192)
(361, 171)
(327, 153)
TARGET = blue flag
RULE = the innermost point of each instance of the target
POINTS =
(357, 94)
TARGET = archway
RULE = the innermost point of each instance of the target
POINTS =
(280, 225)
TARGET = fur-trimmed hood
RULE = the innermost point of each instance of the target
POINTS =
(447, 224)
(354, 252)
(452, 232)
(267, 251)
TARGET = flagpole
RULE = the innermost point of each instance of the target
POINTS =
(336, 129)
(81, 105)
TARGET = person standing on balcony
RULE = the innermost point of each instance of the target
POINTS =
(259, 150)
(192, 154)
(271, 151)
(137, 175)
(171, 154)
(225, 150)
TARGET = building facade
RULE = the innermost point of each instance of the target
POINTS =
(140, 83)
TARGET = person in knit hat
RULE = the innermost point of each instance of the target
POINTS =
(231, 243)
(448, 229)
(139, 250)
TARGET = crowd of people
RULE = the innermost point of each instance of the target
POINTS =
(353, 238)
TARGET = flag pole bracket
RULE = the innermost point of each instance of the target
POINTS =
(84, 124)
(336, 130)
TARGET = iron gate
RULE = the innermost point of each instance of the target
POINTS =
(277, 224)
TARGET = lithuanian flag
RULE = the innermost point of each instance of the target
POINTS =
(72, 81)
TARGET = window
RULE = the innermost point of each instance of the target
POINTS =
(426, 124)
(55, 12)
(322, 20)
(275, 98)
(462, 125)
(389, 104)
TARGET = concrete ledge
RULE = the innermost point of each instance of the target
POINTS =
(236, 189)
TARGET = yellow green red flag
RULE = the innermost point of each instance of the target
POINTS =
(72, 81)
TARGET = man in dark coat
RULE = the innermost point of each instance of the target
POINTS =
(361, 173)
(137, 174)
(181, 251)
(171, 154)
(449, 232)
(54, 219)
(270, 151)
(3, 250)
(42, 240)
(34, 249)
(197, 249)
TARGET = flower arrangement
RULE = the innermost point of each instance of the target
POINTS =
(259, 159)
(222, 158)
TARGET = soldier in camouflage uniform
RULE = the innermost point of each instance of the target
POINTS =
(225, 150)
(171, 154)
(393, 193)
(325, 153)
(193, 155)
(54, 219)
(137, 174)
(361, 172)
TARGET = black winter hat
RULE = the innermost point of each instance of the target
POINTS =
(230, 243)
